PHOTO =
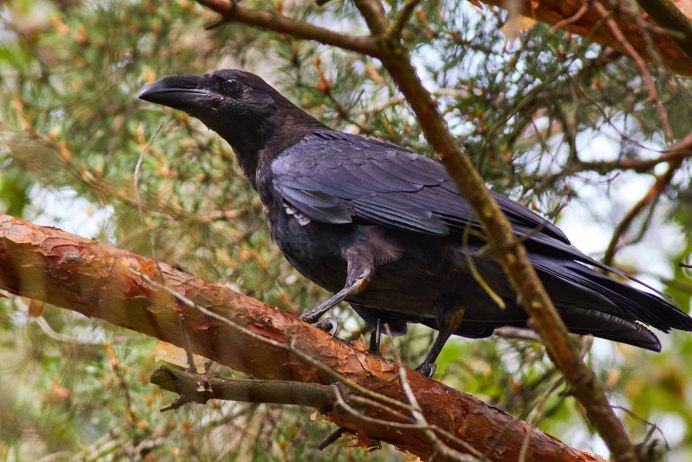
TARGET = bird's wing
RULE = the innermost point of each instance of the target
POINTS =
(334, 177)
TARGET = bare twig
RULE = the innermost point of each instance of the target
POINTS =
(614, 29)
(516, 333)
(230, 11)
(649, 198)
(397, 100)
(675, 155)
(398, 26)
(186, 344)
(637, 165)
(574, 18)
(440, 447)
(333, 437)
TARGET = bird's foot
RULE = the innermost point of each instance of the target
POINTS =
(427, 369)
(327, 324)
(375, 338)
(374, 349)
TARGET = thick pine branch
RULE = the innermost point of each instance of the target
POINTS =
(111, 284)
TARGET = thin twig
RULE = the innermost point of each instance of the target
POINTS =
(332, 438)
(230, 11)
(471, 263)
(674, 155)
(574, 18)
(617, 34)
(637, 165)
(341, 402)
(397, 100)
(417, 412)
(649, 198)
(186, 344)
(398, 26)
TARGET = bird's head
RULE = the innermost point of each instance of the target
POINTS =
(233, 93)
(253, 117)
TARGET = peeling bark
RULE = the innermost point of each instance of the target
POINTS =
(97, 280)
(589, 24)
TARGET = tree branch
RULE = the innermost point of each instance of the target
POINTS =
(97, 280)
(201, 388)
(635, 56)
(511, 255)
(401, 20)
(678, 152)
(667, 15)
(230, 11)
(584, 22)
(674, 156)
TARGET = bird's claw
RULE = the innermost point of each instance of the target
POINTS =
(328, 325)
(427, 369)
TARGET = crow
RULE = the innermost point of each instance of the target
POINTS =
(387, 231)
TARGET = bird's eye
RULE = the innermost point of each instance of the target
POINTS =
(231, 85)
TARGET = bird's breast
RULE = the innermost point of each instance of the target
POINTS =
(313, 248)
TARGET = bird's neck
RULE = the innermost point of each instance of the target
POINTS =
(257, 143)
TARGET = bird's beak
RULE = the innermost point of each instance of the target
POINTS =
(179, 92)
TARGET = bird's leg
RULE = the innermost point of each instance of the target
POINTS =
(376, 337)
(359, 271)
(448, 322)
(353, 287)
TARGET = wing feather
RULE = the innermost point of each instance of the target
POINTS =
(374, 181)
(318, 206)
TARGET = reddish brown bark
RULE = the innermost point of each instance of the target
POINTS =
(95, 279)
(589, 24)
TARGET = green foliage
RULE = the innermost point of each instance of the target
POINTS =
(532, 115)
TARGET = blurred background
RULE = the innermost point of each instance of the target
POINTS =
(545, 117)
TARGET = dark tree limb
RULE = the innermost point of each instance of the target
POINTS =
(98, 280)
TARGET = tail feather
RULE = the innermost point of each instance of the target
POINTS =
(610, 327)
(564, 250)
(617, 299)
(646, 307)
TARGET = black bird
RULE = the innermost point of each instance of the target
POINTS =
(383, 228)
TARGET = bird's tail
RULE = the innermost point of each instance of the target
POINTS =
(592, 303)
(609, 327)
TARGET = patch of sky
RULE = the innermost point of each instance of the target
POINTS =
(65, 209)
